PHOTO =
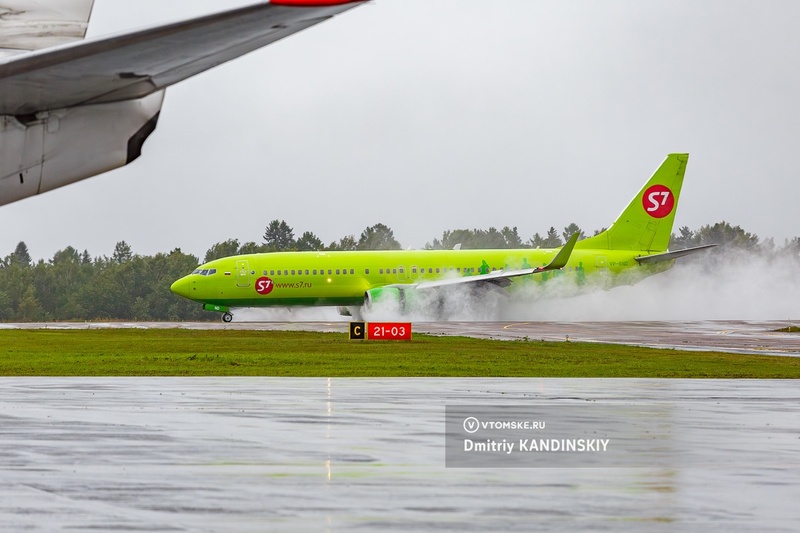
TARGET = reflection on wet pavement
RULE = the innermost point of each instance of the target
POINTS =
(251, 454)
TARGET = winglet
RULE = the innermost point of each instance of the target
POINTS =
(561, 258)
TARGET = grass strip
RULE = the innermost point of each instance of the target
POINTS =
(178, 352)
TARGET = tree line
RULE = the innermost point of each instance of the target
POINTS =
(74, 285)
(280, 237)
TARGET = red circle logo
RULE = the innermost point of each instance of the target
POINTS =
(658, 201)
(264, 285)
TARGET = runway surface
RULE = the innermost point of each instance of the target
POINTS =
(736, 336)
(280, 454)
(283, 454)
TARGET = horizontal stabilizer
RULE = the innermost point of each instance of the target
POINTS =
(668, 256)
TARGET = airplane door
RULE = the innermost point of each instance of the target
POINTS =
(600, 262)
(401, 273)
(242, 273)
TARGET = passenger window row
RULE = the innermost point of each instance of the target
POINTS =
(344, 271)
(315, 272)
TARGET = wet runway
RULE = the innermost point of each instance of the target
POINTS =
(279, 454)
(258, 454)
(736, 336)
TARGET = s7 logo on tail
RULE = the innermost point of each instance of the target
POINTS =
(658, 201)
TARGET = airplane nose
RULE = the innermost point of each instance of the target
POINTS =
(182, 287)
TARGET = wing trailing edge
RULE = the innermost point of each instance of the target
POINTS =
(502, 277)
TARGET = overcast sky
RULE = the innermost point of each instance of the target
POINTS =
(429, 115)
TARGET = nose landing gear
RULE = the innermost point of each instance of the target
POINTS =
(226, 312)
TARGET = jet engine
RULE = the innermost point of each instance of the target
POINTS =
(400, 300)
(386, 295)
(47, 150)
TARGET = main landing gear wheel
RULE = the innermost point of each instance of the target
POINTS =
(227, 317)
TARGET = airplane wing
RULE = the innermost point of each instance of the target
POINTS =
(668, 256)
(136, 64)
(30, 25)
(502, 277)
(78, 109)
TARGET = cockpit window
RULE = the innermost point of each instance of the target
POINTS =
(205, 271)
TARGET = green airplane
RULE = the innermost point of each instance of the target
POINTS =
(633, 247)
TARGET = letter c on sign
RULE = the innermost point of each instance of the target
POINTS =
(357, 331)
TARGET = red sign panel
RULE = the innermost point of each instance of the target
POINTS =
(389, 331)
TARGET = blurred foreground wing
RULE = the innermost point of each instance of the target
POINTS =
(135, 64)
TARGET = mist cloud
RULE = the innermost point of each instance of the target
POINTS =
(721, 285)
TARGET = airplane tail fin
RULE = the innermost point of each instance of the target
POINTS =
(646, 224)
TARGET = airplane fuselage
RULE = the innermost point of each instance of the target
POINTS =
(343, 278)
